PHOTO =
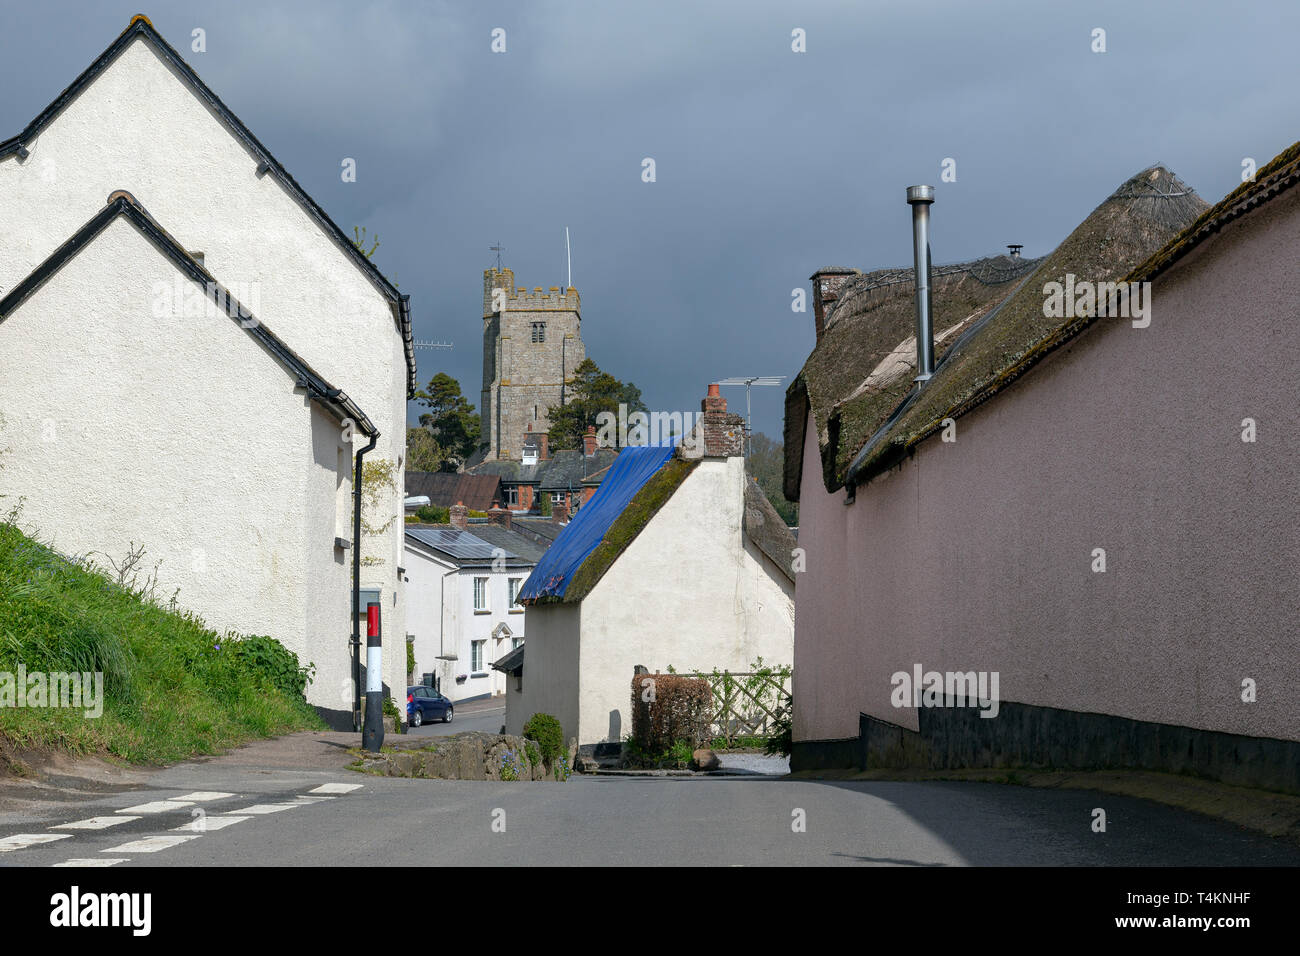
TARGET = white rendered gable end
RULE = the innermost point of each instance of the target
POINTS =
(121, 204)
(19, 147)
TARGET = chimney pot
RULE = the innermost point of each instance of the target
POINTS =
(713, 402)
(499, 515)
(459, 515)
(589, 441)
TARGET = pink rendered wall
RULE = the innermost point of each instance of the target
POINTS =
(976, 555)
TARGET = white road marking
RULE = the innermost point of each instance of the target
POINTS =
(304, 798)
(158, 806)
(203, 796)
(211, 822)
(337, 788)
(102, 861)
(94, 823)
(151, 844)
(20, 841)
(260, 808)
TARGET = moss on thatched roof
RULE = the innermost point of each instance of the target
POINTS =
(1279, 174)
(871, 329)
(864, 430)
(645, 504)
(765, 527)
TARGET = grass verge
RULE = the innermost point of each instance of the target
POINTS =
(172, 687)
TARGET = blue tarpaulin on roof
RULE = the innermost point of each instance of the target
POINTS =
(632, 468)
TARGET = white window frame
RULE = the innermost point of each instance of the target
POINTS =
(482, 590)
(476, 649)
(515, 586)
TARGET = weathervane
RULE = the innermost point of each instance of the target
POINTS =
(498, 249)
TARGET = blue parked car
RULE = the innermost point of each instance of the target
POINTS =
(425, 703)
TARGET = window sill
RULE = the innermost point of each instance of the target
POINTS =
(486, 610)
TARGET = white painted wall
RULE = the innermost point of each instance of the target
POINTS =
(551, 658)
(139, 127)
(690, 592)
(179, 433)
(441, 615)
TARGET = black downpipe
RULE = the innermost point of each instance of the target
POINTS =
(356, 585)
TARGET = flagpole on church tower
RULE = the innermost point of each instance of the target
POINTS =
(568, 256)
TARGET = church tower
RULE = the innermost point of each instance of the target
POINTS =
(532, 342)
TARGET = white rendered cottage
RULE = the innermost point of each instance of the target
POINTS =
(463, 582)
(138, 416)
(679, 560)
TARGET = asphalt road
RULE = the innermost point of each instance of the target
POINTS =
(466, 717)
(263, 807)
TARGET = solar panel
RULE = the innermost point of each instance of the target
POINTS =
(458, 544)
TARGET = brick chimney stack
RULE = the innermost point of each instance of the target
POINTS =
(589, 441)
(544, 439)
(459, 515)
(560, 513)
(723, 433)
(499, 515)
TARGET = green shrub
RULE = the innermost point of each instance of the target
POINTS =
(270, 660)
(680, 753)
(548, 733)
(534, 755)
(432, 514)
(782, 740)
(388, 709)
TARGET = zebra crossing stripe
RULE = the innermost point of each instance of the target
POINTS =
(20, 841)
(94, 823)
(337, 788)
(158, 806)
(151, 844)
(101, 862)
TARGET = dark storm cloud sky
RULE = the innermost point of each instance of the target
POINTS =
(769, 163)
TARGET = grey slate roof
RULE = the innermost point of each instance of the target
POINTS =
(525, 547)
(545, 530)
(563, 470)
(512, 661)
(463, 548)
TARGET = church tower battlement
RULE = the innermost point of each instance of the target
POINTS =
(532, 342)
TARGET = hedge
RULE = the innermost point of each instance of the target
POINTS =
(668, 708)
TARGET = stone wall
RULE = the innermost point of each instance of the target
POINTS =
(523, 378)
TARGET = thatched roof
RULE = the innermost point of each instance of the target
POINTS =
(1277, 175)
(989, 328)
(765, 527)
